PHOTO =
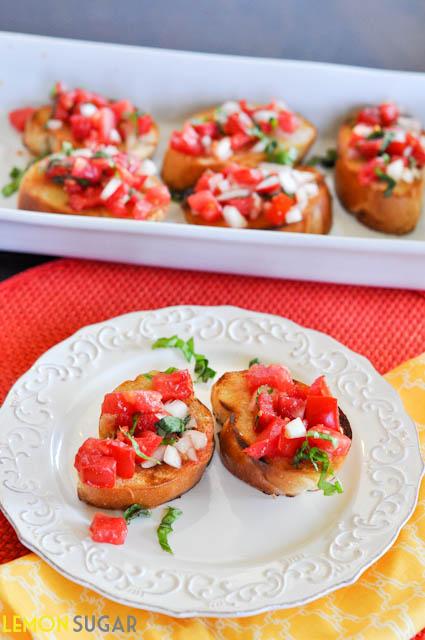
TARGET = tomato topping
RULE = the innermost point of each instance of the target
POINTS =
(19, 117)
(122, 109)
(287, 121)
(388, 113)
(244, 205)
(148, 443)
(173, 386)
(369, 115)
(322, 410)
(158, 196)
(99, 471)
(144, 124)
(367, 173)
(274, 375)
(342, 444)
(147, 421)
(268, 440)
(288, 447)
(266, 411)
(205, 204)
(187, 141)
(396, 148)
(244, 176)
(235, 124)
(209, 128)
(126, 403)
(108, 529)
(240, 140)
(289, 407)
(278, 208)
(142, 208)
(319, 388)
(369, 148)
(91, 448)
(125, 457)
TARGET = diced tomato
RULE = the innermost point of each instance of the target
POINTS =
(287, 447)
(159, 196)
(80, 126)
(105, 120)
(322, 410)
(369, 148)
(268, 440)
(143, 401)
(240, 140)
(84, 168)
(389, 113)
(300, 390)
(235, 124)
(279, 207)
(244, 205)
(319, 388)
(244, 176)
(125, 457)
(122, 109)
(99, 471)
(86, 199)
(117, 202)
(147, 421)
(91, 448)
(396, 148)
(207, 129)
(173, 386)
(148, 443)
(289, 407)
(205, 204)
(266, 411)
(369, 115)
(109, 529)
(367, 173)
(141, 209)
(187, 141)
(144, 124)
(125, 405)
(419, 154)
(287, 121)
(274, 376)
(203, 183)
(19, 117)
(343, 443)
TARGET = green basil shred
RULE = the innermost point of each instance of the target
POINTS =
(187, 347)
(136, 447)
(136, 511)
(327, 160)
(170, 424)
(328, 483)
(165, 528)
(253, 361)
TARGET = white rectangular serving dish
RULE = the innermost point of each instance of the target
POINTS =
(173, 84)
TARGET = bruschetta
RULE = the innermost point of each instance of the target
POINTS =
(102, 182)
(84, 118)
(155, 442)
(379, 172)
(235, 132)
(279, 435)
(269, 196)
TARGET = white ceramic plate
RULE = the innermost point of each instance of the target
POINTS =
(172, 85)
(236, 551)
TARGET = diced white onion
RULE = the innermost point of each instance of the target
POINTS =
(148, 168)
(110, 188)
(230, 107)
(158, 455)
(223, 149)
(223, 186)
(110, 150)
(264, 115)
(407, 175)
(234, 218)
(54, 124)
(206, 141)
(287, 182)
(294, 215)
(199, 439)
(395, 169)
(177, 408)
(234, 193)
(409, 124)
(271, 181)
(88, 109)
(184, 444)
(148, 464)
(259, 146)
(295, 429)
(399, 136)
(307, 191)
(191, 454)
(114, 136)
(172, 457)
(363, 130)
(85, 153)
(192, 424)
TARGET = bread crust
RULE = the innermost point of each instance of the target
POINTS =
(41, 141)
(231, 400)
(181, 171)
(38, 193)
(397, 214)
(317, 216)
(152, 487)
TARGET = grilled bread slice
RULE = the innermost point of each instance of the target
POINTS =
(41, 141)
(180, 170)
(232, 407)
(162, 483)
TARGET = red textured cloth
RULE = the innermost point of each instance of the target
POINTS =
(44, 305)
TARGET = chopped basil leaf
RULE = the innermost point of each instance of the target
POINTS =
(273, 122)
(202, 370)
(388, 137)
(136, 511)
(323, 436)
(327, 160)
(320, 461)
(169, 440)
(180, 195)
(391, 183)
(165, 528)
(148, 376)
(170, 370)
(16, 174)
(136, 447)
(279, 154)
(100, 154)
(67, 148)
(253, 361)
(134, 421)
(171, 424)
(53, 92)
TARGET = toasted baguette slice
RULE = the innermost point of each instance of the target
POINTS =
(180, 171)
(231, 406)
(398, 213)
(38, 193)
(41, 141)
(317, 216)
(154, 486)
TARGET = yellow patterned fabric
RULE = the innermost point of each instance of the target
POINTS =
(386, 603)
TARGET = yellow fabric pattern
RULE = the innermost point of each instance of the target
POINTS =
(386, 603)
